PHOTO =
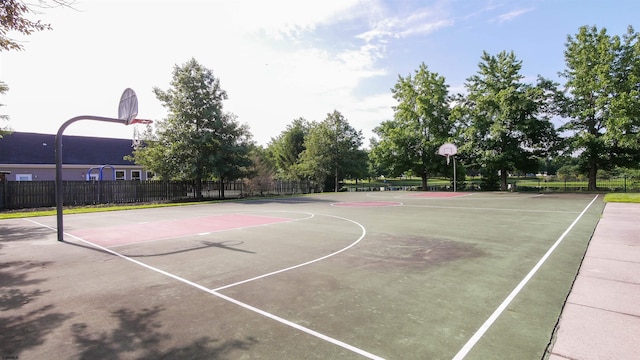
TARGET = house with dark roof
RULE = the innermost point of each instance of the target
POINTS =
(31, 157)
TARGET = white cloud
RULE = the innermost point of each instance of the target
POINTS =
(423, 21)
(512, 15)
(280, 19)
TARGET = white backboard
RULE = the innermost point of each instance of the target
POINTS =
(128, 108)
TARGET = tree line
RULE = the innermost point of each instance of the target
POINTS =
(501, 125)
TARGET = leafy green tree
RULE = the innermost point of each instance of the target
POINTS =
(232, 158)
(603, 99)
(507, 123)
(287, 147)
(332, 149)
(197, 141)
(262, 171)
(421, 124)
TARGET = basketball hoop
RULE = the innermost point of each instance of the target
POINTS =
(141, 121)
(135, 142)
(127, 112)
(448, 150)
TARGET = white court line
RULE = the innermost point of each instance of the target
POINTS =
(490, 209)
(239, 303)
(468, 196)
(358, 204)
(364, 232)
(487, 324)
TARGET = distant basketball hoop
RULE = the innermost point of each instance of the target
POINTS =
(447, 150)
(450, 150)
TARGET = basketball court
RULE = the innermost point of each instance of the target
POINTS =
(379, 275)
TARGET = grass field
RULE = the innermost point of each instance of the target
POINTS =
(623, 197)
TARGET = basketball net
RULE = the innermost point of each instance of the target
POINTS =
(137, 135)
(447, 155)
(135, 142)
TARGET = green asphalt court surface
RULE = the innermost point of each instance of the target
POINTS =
(390, 274)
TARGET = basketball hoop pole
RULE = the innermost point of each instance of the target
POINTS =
(59, 189)
(454, 174)
(450, 150)
(454, 169)
(127, 111)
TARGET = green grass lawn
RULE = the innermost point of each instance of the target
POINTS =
(623, 197)
(81, 210)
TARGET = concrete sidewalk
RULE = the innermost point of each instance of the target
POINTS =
(601, 319)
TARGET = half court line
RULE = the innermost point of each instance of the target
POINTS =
(237, 302)
(487, 324)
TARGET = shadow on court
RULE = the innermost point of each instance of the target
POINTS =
(22, 233)
(139, 335)
(205, 245)
(23, 326)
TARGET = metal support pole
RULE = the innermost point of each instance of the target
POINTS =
(455, 179)
(59, 189)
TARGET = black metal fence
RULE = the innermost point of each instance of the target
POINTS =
(621, 184)
(38, 194)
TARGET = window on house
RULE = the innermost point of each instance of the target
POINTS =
(24, 177)
(150, 175)
(136, 175)
(120, 175)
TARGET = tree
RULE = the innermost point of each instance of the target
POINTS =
(232, 158)
(13, 18)
(507, 123)
(332, 149)
(287, 147)
(421, 124)
(3, 130)
(262, 171)
(197, 141)
(603, 99)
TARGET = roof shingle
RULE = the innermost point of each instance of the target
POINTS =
(33, 148)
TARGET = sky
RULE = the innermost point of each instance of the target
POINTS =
(278, 60)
